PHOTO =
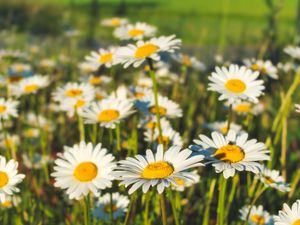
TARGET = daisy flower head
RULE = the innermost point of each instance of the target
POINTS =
(297, 106)
(30, 85)
(103, 57)
(135, 31)
(160, 169)
(37, 161)
(114, 22)
(83, 168)
(288, 216)
(108, 112)
(87, 67)
(139, 92)
(142, 50)
(9, 141)
(19, 68)
(10, 201)
(182, 184)
(221, 126)
(169, 137)
(245, 107)
(232, 152)
(264, 67)
(102, 207)
(98, 80)
(8, 108)
(189, 61)
(236, 83)
(272, 178)
(166, 107)
(150, 123)
(9, 177)
(257, 215)
(144, 82)
(293, 51)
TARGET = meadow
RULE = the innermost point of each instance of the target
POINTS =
(149, 112)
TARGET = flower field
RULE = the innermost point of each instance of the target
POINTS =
(117, 120)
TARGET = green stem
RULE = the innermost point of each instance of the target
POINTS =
(111, 209)
(81, 128)
(163, 209)
(146, 212)
(173, 205)
(132, 201)
(118, 137)
(209, 200)
(221, 200)
(230, 115)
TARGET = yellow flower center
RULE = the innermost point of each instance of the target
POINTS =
(19, 68)
(86, 171)
(236, 86)
(243, 108)
(99, 96)
(151, 125)
(186, 60)
(105, 58)
(6, 204)
(179, 182)
(257, 219)
(31, 88)
(107, 208)
(73, 93)
(230, 153)
(255, 67)
(224, 130)
(135, 32)
(158, 170)
(79, 103)
(3, 179)
(161, 110)
(163, 140)
(95, 80)
(2, 108)
(8, 142)
(297, 222)
(139, 94)
(115, 22)
(30, 133)
(145, 51)
(108, 115)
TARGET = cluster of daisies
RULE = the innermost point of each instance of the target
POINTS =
(89, 169)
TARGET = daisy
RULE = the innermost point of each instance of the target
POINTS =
(236, 83)
(104, 57)
(139, 92)
(9, 177)
(232, 152)
(222, 127)
(257, 215)
(294, 52)
(47, 63)
(137, 54)
(160, 169)
(135, 31)
(150, 122)
(74, 92)
(30, 85)
(297, 106)
(169, 137)
(17, 68)
(82, 169)
(37, 161)
(264, 67)
(103, 206)
(10, 141)
(144, 82)
(272, 178)
(244, 107)
(31, 133)
(100, 94)
(182, 184)
(8, 108)
(166, 107)
(189, 61)
(108, 112)
(289, 216)
(98, 80)
(114, 22)
(87, 67)
(39, 121)
(10, 201)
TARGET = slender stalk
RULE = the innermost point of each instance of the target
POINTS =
(81, 128)
(146, 212)
(11, 147)
(209, 200)
(111, 209)
(221, 200)
(283, 146)
(163, 209)
(173, 205)
(118, 137)
(127, 217)
(155, 92)
(86, 211)
(230, 115)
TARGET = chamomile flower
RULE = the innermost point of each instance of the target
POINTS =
(104, 57)
(36, 161)
(9, 177)
(8, 108)
(169, 137)
(137, 54)
(144, 82)
(31, 133)
(19, 68)
(189, 61)
(257, 215)
(47, 64)
(108, 112)
(135, 31)
(182, 184)
(9, 141)
(160, 169)
(30, 85)
(272, 178)
(232, 152)
(297, 106)
(10, 201)
(236, 83)
(264, 67)
(98, 80)
(244, 107)
(139, 92)
(150, 123)
(166, 107)
(103, 207)
(114, 22)
(293, 51)
(289, 216)
(222, 127)
(38, 121)
(83, 168)
(87, 67)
